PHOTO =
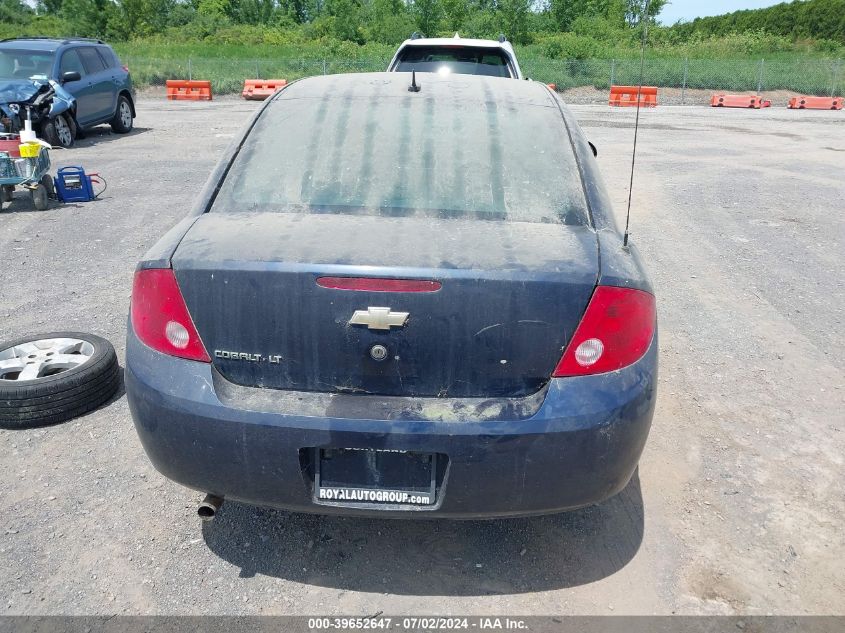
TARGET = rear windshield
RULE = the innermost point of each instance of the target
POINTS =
(463, 60)
(412, 155)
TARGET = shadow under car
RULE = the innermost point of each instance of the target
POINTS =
(409, 557)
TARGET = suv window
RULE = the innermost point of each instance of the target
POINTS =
(71, 63)
(434, 157)
(109, 56)
(91, 59)
(464, 60)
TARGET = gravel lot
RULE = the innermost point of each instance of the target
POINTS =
(738, 504)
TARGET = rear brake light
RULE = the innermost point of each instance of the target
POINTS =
(373, 284)
(615, 331)
(160, 317)
(125, 68)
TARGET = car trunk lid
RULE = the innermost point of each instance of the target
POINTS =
(510, 296)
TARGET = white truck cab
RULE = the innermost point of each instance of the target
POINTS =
(458, 55)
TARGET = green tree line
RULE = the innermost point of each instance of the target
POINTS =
(821, 20)
(556, 29)
(360, 21)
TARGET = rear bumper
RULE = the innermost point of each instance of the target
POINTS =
(577, 446)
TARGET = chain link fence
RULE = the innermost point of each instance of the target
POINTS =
(585, 80)
(227, 75)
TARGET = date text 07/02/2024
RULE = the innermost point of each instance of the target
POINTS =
(419, 623)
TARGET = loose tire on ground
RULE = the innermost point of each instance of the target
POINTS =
(83, 375)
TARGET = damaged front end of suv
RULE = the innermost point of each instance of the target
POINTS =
(50, 107)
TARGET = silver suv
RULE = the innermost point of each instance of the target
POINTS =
(447, 55)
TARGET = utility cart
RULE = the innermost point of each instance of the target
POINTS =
(27, 171)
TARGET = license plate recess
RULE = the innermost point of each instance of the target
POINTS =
(374, 477)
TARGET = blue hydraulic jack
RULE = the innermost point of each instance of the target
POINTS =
(74, 185)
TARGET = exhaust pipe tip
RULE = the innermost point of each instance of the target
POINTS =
(209, 507)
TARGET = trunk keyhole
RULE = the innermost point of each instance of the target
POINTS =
(378, 352)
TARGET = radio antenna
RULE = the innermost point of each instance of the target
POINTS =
(644, 22)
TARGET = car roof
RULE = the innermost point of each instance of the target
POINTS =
(470, 88)
(458, 41)
(43, 43)
(447, 42)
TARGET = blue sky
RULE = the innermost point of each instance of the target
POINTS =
(689, 9)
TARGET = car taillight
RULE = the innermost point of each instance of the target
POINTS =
(615, 331)
(125, 68)
(160, 317)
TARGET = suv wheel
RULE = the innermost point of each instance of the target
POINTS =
(122, 121)
(59, 131)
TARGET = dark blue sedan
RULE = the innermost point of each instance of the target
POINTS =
(398, 302)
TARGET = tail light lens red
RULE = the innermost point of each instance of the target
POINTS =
(614, 332)
(125, 68)
(160, 317)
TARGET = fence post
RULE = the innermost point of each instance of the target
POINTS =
(189, 69)
(257, 70)
(684, 87)
(612, 70)
(324, 66)
(760, 78)
(834, 79)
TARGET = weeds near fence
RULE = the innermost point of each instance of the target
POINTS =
(807, 76)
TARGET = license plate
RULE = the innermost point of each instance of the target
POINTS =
(374, 477)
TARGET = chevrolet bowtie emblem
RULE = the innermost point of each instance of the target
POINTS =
(378, 318)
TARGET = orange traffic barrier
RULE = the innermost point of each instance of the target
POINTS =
(627, 96)
(739, 101)
(260, 89)
(552, 87)
(815, 103)
(183, 90)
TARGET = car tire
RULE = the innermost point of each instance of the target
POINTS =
(58, 132)
(61, 393)
(7, 193)
(122, 121)
(74, 128)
